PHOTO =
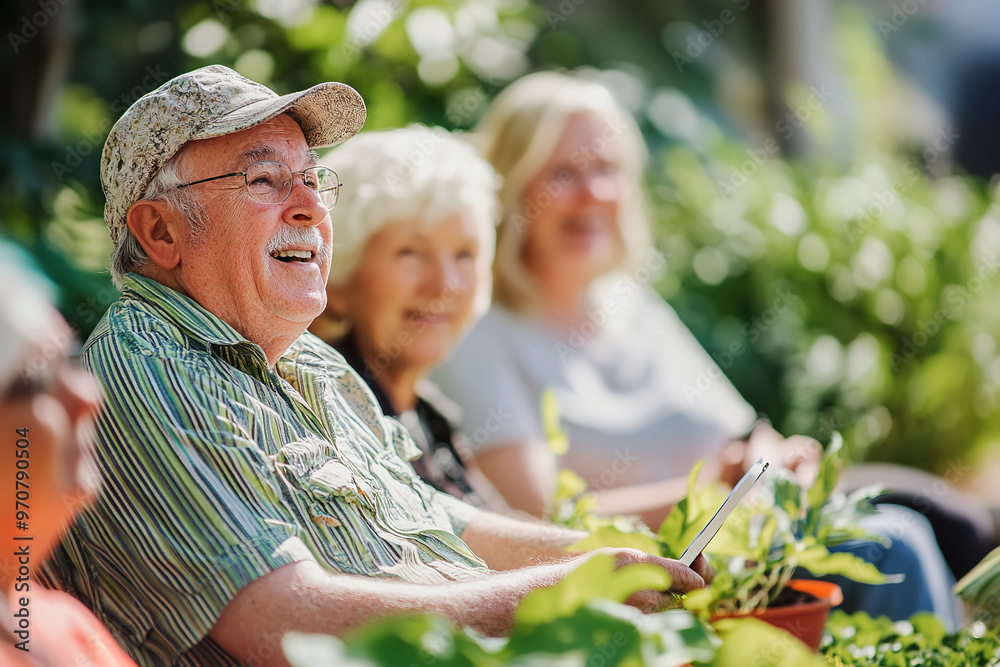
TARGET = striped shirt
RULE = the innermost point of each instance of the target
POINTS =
(218, 469)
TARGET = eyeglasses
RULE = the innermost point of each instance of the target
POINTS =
(270, 182)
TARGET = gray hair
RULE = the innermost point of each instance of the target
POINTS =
(128, 255)
(412, 172)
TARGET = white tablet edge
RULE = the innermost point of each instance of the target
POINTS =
(735, 496)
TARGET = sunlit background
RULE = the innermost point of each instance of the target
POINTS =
(820, 172)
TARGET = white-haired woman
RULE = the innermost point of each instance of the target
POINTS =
(637, 396)
(413, 243)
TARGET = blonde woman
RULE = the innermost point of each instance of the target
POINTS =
(574, 316)
(413, 244)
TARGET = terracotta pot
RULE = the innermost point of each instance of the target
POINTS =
(804, 621)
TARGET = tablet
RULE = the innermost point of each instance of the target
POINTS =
(699, 543)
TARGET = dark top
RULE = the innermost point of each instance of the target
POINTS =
(434, 425)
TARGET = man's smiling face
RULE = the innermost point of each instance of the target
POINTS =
(261, 268)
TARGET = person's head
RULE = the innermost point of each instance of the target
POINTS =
(572, 207)
(211, 190)
(413, 239)
(47, 408)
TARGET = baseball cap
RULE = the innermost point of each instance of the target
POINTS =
(210, 102)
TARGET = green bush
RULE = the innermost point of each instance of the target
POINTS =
(859, 301)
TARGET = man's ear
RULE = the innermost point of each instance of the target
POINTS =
(157, 228)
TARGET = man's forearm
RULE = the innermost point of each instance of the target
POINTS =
(506, 543)
(302, 597)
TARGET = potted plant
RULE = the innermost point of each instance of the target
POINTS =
(779, 528)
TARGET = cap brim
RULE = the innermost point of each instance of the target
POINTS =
(328, 113)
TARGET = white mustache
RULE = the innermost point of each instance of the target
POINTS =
(301, 237)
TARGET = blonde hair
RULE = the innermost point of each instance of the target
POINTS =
(518, 134)
(412, 172)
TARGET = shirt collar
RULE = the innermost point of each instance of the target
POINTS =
(188, 315)
(348, 347)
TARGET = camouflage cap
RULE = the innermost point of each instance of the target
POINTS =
(210, 102)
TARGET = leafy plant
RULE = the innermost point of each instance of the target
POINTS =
(778, 528)
(758, 551)
(859, 639)
(579, 621)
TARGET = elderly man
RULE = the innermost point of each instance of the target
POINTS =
(251, 485)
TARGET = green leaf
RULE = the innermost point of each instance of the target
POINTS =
(788, 496)
(589, 632)
(748, 641)
(569, 485)
(825, 483)
(929, 627)
(821, 562)
(554, 435)
(610, 536)
(595, 578)
(689, 516)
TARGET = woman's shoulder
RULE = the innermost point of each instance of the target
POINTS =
(501, 330)
(437, 403)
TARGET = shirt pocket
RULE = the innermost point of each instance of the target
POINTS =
(321, 483)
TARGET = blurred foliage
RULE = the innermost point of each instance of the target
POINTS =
(854, 298)
(852, 639)
(862, 282)
(579, 621)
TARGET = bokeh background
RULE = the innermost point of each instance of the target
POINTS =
(820, 175)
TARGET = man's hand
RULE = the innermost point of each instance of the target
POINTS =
(682, 578)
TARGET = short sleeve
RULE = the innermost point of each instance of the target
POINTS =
(460, 514)
(190, 511)
(500, 403)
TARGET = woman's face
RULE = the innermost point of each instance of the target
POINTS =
(46, 440)
(413, 292)
(572, 204)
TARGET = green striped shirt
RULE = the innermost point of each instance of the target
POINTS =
(218, 469)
